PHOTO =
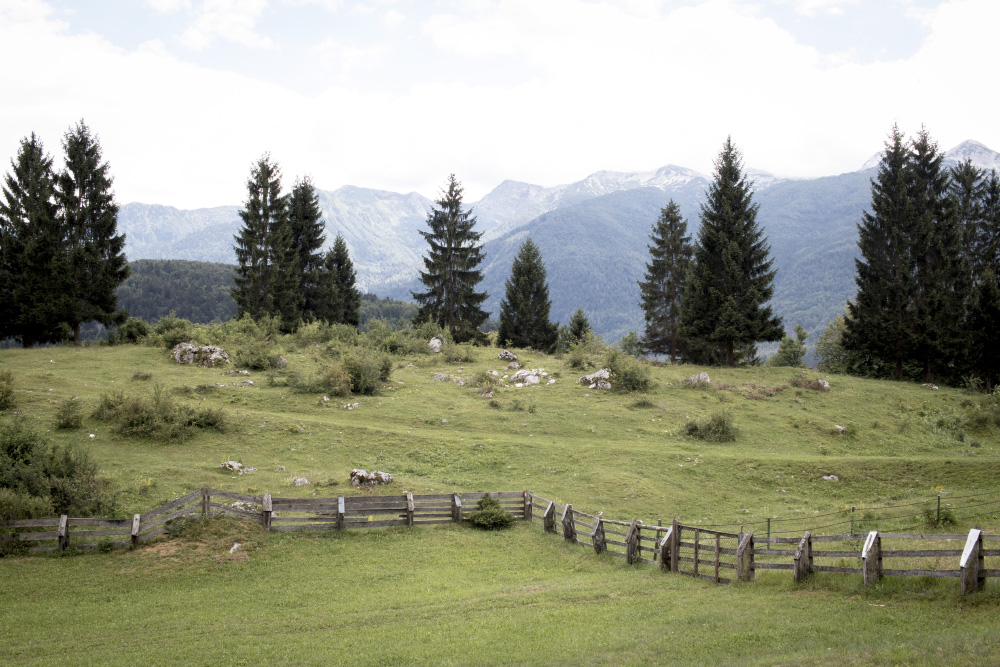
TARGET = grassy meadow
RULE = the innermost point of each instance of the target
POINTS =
(453, 595)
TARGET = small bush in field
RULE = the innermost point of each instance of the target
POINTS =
(173, 330)
(69, 415)
(490, 515)
(6, 390)
(367, 370)
(718, 428)
(332, 380)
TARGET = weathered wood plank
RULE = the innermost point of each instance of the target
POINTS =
(426, 497)
(79, 534)
(836, 554)
(34, 523)
(303, 519)
(232, 495)
(920, 553)
(773, 566)
(240, 514)
(835, 568)
(921, 573)
(614, 543)
(431, 521)
(33, 537)
(146, 536)
(378, 524)
(111, 523)
(180, 502)
(921, 536)
(302, 526)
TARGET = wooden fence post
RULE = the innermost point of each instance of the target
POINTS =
(665, 559)
(341, 521)
(266, 511)
(744, 559)
(675, 546)
(597, 536)
(972, 564)
(568, 524)
(803, 559)
(409, 508)
(549, 518)
(456, 508)
(527, 506)
(697, 543)
(63, 532)
(206, 498)
(136, 521)
(871, 556)
(632, 543)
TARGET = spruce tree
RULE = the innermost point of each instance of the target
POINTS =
(880, 321)
(724, 300)
(267, 278)
(97, 262)
(966, 188)
(941, 271)
(984, 302)
(305, 219)
(338, 300)
(670, 260)
(452, 268)
(791, 351)
(524, 312)
(579, 327)
(34, 270)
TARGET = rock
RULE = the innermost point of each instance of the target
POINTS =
(359, 477)
(246, 470)
(507, 355)
(233, 466)
(352, 406)
(246, 383)
(932, 387)
(825, 386)
(551, 381)
(839, 429)
(700, 378)
(281, 362)
(513, 366)
(598, 379)
(279, 467)
(440, 377)
(434, 345)
(208, 355)
(493, 373)
(831, 478)
(234, 548)
(527, 376)
(460, 382)
(300, 481)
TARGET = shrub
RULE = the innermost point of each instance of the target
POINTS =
(627, 373)
(69, 415)
(718, 428)
(809, 383)
(6, 390)
(173, 330)
(141, 376)
(367, 370)
(931, 518)
(158, 417)
(490, 515)
(332, 380)
(134, 330)
(458, 353)
(486, 381)
(256, 355)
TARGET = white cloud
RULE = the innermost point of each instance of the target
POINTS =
(393, 19)
(168, 6)
(230, 20)
(813, 7)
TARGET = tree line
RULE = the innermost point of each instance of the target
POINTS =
(61, 256)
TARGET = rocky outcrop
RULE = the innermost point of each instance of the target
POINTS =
(507, 355)
(207, 355)
(598, 379)
(359, 477)
(434, 345)
(700, 378)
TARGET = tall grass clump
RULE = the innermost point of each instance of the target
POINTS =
(717, 428)
(6, 390)
(156, 417)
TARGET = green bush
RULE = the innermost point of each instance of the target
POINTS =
(173, 330)
(367, 370)
(332, 380)
(156, 417)
(134, 330)
(459, 353)
(69, 414)
(628, 374)
(718, 428)
(6, 390)
(255, 354)
(490, 515)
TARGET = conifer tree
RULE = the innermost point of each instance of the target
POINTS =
(791, 351)
(670, 260)
(984, 302)
(579, 327)
(881, 318)
(97, 262)
(34, 271)
(524, 312)
(267, 278)
(305, 219)
(338, 300)
(966, 188)
(724, 300)
(452, 268)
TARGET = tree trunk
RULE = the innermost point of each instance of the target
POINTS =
(76, 334)
(899, 369)
(729, 353)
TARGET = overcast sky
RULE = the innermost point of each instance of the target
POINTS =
(397, 94)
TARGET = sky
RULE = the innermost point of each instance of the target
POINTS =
(185, 95)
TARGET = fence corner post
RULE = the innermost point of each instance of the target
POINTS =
(549, 518)
(206, 500)
(568, 524)
(632, 543)
(597, 536)
(341, 521)
(675, 545)
(265, 513)
(666, 561)
(871, 556)
(744, 558)
(972, 564)
(63, 532)
(456, 508)
(802, 567)
(527, 506)
(409, 508)
(136, 522)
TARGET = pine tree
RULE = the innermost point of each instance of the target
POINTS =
(966, 189)
(267, 279)
(452, 268)
(670, 260)
(732, 279)
(941, 271)
(524, 312)
(305, 218)
(791, 351)
(338, 300)
(984, 302)
(34, 271)
(97, 261)
(579, 327)
(880, 321)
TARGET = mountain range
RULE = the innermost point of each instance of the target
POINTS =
(592, 233)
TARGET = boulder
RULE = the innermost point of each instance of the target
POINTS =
(359, 477)
(207, 355)
(700, 378)
(281, 362)
(507, 355)
(598, 379)
(513, 366)
(300, 481)
(434, 345)
(440, 377)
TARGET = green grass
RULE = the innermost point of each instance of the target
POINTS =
(450, 595)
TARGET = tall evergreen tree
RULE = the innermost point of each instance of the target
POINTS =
(984, 303)
(670, 260)
(452, 268)
(338, 300)
(578, 327)
(966, 188)
(941, 270)
(97, 261)
(524, 312)
(305, 219)
(880, 320)
(34, 271)
(724, 300)
(267, 278)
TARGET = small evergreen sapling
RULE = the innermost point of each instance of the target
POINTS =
(490, 515)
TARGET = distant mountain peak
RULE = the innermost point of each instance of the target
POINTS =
(979, 154)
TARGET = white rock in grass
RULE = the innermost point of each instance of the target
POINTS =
(234, 548)
(300, 481)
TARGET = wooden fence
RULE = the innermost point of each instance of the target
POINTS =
(695, 551)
